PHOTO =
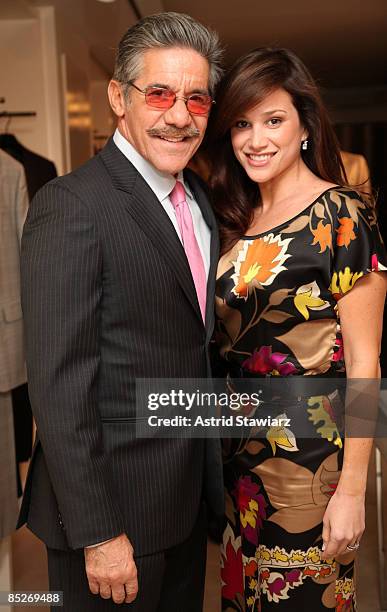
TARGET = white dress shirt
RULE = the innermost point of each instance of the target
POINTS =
(162, 184)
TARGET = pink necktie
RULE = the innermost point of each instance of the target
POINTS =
(191, 247)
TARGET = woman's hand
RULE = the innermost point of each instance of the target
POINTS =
(343, 523)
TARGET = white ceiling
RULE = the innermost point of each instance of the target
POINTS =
(343, 42)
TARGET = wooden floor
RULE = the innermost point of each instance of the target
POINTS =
(29, 564)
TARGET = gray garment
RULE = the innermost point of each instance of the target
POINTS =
(8, 495)
(13, 210)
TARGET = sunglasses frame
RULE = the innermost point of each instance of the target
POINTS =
(186, 100)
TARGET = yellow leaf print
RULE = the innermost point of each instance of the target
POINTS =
(343, 282)
(303, 301)
(318, 414)
(348, 586)
(249, 517)
(282, 437)
(297, 558)
(280, 557)
(252, 272)
(276, 439)
(313, 556)
(334, 287)
(265, 554)
(308, 297)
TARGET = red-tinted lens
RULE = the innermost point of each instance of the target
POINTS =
(199, 104)
(159, 97)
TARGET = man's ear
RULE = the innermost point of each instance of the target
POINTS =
(116, 98)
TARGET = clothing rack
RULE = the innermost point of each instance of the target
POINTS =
(18, 114)
(4, 113)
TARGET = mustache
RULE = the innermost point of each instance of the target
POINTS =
(172, 132)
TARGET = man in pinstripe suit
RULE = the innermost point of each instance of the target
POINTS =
(111, 293)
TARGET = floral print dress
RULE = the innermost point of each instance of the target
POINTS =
(276, 303)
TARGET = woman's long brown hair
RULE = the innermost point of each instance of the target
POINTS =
(248, 82)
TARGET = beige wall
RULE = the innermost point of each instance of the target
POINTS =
(87, 32)
(29, 82)
(54, 62)
(21, 78)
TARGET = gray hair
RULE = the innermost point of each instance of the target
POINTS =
(164, 30)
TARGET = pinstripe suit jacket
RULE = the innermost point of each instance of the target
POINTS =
(107, 297)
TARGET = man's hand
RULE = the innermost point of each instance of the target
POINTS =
(111, 570)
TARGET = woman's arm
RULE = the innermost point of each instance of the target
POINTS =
(361, 319)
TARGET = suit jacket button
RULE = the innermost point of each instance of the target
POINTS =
(60, 521)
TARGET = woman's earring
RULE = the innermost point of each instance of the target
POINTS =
(304, 145)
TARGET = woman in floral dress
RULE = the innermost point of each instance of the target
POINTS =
(295, 297)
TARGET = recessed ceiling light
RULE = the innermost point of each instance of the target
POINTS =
(107, 1)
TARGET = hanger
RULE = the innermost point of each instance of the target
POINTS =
(17, 114)
(10, 114)
(7, 124)
(9, 142)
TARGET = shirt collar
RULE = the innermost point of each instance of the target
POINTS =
(161, 183)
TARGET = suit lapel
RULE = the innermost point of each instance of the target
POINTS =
(148, 213)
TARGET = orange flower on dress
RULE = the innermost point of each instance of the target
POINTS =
(345, 232)
(322, 235)
(258, 263)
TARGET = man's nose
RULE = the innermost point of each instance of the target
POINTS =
(178, 115)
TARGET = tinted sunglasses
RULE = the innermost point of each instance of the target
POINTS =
(164, 98)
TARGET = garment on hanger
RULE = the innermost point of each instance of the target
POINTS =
(38, 169)
(13, 210)
(9, 507)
